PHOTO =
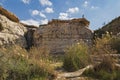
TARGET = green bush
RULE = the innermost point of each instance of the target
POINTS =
(13, 63)
(105, 69)
(17, 64)
(102, 74)
(115, 44)
(89, 73)
(39, 58)
(76, 57)
(108, 39)
(117, 75)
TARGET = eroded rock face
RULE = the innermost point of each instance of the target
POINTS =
(14, 32)
(58, 34)
(11, 32)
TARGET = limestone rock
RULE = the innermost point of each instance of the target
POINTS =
(11, 32)
(58, 34)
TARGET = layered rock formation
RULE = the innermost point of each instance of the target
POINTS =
(58, 34)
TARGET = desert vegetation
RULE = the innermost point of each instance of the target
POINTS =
(112, 27)
(16, 63)
(106, 68)
(98, 61)
(76, 57)
(115, 44)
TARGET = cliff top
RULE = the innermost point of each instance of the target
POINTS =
(29, 26)
(82, 20)
(8, 14)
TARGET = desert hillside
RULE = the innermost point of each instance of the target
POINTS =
(112, 27)
(59, 50)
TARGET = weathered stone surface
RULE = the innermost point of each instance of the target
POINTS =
(8, 14)
(58, 34)
(11, 32)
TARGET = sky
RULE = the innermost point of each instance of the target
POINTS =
(36, 12)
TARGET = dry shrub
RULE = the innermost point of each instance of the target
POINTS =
(115, 44)
(102, 47)
(13, 63)
(107, 64)
(39, 53)
(76, 57)
(106, 69)
(103, 50)
(17, 64)
(39, 58)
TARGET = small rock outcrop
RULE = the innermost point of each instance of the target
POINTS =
(58, 34)
(11, 31)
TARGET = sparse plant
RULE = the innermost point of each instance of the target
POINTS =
(115, 44)
(76, 57)
(39, 59)
(106, 69)
(14, 61)
(17, 64)
(102, 46)
(39, 53)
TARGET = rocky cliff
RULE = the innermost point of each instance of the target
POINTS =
(11, 32)
(14, 32)
(58, 34)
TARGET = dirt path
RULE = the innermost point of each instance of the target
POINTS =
(72, 75)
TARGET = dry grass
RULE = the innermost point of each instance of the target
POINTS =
(8, 14)
(106, 69)
(18, 64)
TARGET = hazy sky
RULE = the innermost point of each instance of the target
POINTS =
(41, 11)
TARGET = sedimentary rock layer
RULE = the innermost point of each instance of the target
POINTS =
(58, 34)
